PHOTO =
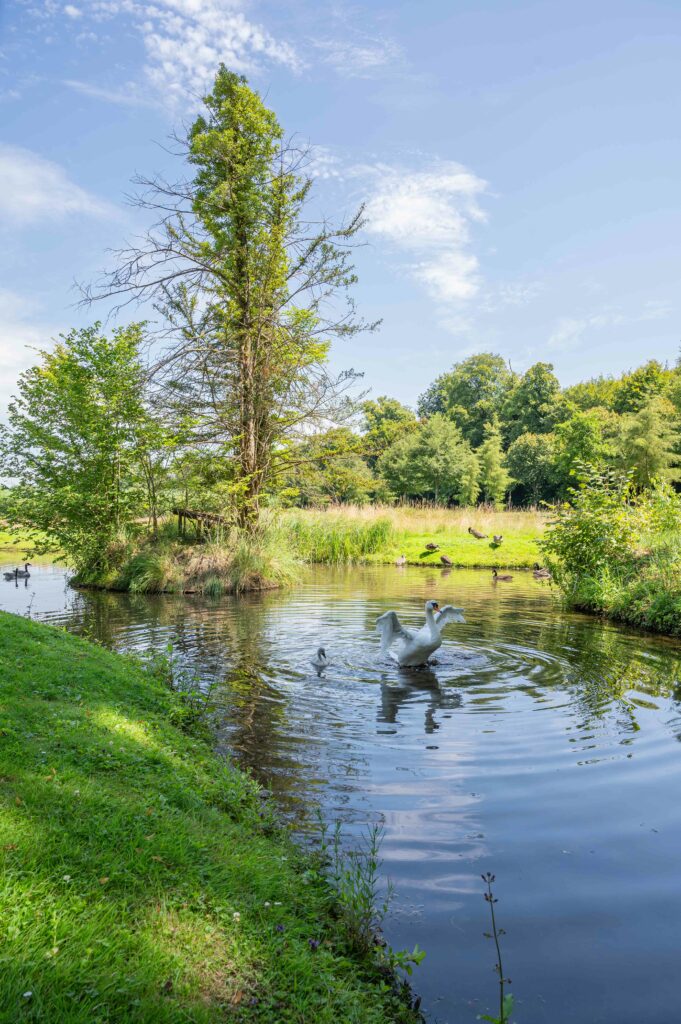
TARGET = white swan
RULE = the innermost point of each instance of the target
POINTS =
(415, 646)
(320, 659)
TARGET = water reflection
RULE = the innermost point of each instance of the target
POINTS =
(541, 745)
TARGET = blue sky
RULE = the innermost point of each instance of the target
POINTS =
(520, 163)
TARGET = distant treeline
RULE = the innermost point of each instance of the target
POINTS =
(483, 432)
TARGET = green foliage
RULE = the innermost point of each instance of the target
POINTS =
(80, 440)
(385, 420)
(636, 389)
(433, 461)
(470, 393)
(143, 879)
(328, 468)
(647, 443)
(530, 460)
(495, 479)
(617, 550)
(535, 405)
(581, 440)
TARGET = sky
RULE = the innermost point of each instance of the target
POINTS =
(520, 163)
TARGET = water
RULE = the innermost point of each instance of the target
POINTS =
(542, 746)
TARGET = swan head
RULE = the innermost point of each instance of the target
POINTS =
(432, 607)
(321, 653)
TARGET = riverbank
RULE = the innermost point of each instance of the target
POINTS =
(141, 878)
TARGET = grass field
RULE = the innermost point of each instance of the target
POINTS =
(380, 534)
(141, 881)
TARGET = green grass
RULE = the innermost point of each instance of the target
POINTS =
(381, 534)
(642, 591)
(140, 882)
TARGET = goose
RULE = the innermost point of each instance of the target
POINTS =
(446, 560)
(13, 575)
(415, 646)
(476, 533)
(402, 560)
(23, 572)
(320, 659)
(496, 576)
(497, 538)
(539, 573)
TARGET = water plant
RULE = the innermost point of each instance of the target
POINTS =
(505, 998)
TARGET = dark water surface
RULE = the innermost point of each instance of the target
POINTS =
(542, 746)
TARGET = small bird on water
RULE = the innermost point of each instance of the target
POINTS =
(402, 560)
(496, 576)
(320, 659)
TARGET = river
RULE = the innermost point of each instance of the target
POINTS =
(542, 746)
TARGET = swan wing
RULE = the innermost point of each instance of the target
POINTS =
(448, 614)
(390, 628)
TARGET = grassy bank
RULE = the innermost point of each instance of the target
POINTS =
(641, 589)
(140, 881)
(381, 534)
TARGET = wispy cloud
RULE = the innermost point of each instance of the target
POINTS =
(34, 189)
(427, 216)
(185, 40)
(128, 96)
(361, 56)
(571, 332)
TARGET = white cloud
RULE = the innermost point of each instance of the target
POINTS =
(34, 189)
(362, 57)
(186, 40)
(427, 215)
(72, 12)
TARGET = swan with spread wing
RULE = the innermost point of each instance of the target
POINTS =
(413, 647)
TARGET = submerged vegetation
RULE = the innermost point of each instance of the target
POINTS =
(616, 550)
(143, 878)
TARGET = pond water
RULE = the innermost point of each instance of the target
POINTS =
(542, 746)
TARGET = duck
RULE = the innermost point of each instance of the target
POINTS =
(14, 575)
(497, 538)
(415, 646)
(402, 560)
(497, 576)
(432, 547)
(476, 533)
(23, 572)
(540, 573)
(446, 560)
(320, 659)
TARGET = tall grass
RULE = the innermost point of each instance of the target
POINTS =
(335, 539)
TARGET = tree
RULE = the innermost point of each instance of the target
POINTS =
(328, 468)
(494, 477)
(535, 405)
(530, 460)
(80, 444)
(245, 284)
(582, 440)
(647, 445)
(385, 419)
(635, 389)
(470, 393)
(433, 462)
